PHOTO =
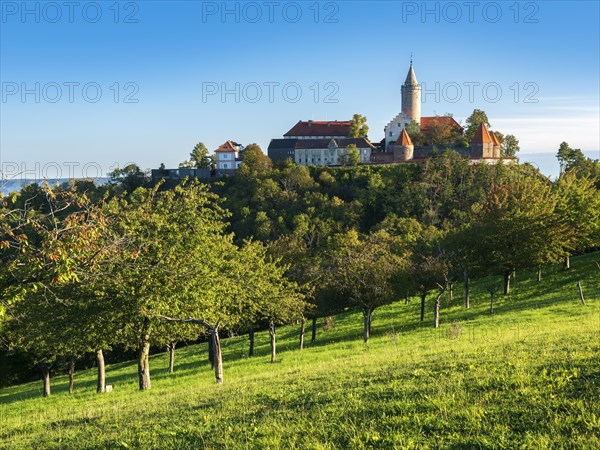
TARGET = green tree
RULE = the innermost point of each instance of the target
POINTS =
(510, 146)
(366, 271)
(578, 207)
(414, 131)
(474, 121)
(254, 161)
(516, 226)
(358, 127)
(200, 157)
(440, 133)
(353, 155)
(129, 177)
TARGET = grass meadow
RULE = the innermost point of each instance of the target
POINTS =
(527, 376)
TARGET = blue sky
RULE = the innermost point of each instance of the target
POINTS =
(104, 85)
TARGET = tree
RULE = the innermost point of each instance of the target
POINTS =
(358, 127)
(353, 155)
(414, 131)
(516, 226)
(441, 133)
(187, 164)
(510, 146)
(474, 121)
(129, 177)
(578, 208)
(49, 241)
(254, 161)
(200, 157)
(574, 159)
(163, 239)
(366, 271)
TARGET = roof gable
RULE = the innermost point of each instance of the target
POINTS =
(482, 136)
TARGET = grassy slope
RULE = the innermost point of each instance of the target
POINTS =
(528, 376)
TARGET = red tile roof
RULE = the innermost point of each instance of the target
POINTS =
(426, 122)
(227, 147)
(495, 140)
(312, 128)
(482, 136)
(404, 139)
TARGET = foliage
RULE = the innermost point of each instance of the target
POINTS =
(440, 133)
(414, 132)
(254, 161)
(358, 127)
(352, 155)
(474, 121)
(525, 377)
(510, 146)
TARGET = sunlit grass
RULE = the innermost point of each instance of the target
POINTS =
(528, 375)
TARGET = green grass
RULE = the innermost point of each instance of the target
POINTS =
(526, 377)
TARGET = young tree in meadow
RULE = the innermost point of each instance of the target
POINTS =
(430, 268)
(578, 207)
(246, 287)
(161, 235)
(49, 238)
(358, 127)
(516, 226)
(366, 270)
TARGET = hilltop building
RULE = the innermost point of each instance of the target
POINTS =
(318, 143)
(229, 157)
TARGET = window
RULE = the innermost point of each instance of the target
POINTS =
(225, 166)
(390, 134)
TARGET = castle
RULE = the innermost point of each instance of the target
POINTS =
(324, 142)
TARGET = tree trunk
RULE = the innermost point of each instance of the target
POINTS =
(367, 325)
(218, 358)
(436, 311)
(507, 282)
(144, 358)
(467, 289)
(251, 339)
(101, 386)
(567, 262)
(302, 330)
(46, 379)
(539, 274)
(172, 356)
(313, 338)
(71, 375)
(211, 351)
(423, 296)
(581, 293)
(451, 293)
(491, 303)
(273, 341)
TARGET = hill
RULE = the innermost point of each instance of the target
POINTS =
(526, 376)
